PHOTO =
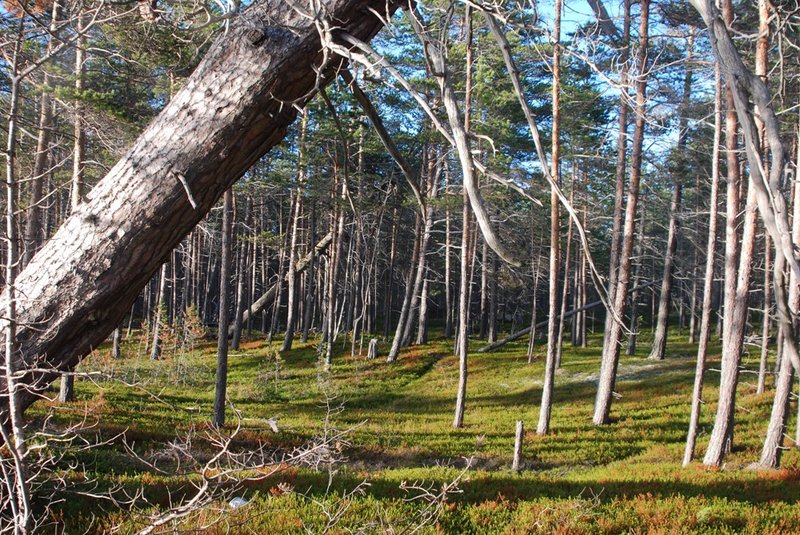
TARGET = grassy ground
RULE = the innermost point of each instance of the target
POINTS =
(625, 477)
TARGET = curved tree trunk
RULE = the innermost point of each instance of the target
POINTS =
(773, 442)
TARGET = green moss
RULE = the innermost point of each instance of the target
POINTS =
(625, 477)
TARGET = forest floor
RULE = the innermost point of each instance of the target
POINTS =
(401, 466)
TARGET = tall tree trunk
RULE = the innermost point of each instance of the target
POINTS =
(308, 303)
(543, 426)
(241, 278)
(405, 311)
(67, 391)
(733, 345)
(159, 314)
(491, 336)
(610, 358)
(448, 245)
(34, 232)
(276, 303)
(708, 277)
(333, 272)
(773, 442)
(388, 299)
(220, 392)
(295, 229)
(462, 342)
(621, 168)
(483, 318)
(765, 325)
(737, 285)
(662, 323)
(635, 293)
(565, 285)
(12, 420)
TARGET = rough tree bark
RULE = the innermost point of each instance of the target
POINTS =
(235, 107)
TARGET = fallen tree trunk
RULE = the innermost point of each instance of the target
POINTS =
(519, 334)
(269, 296)
(236, 106)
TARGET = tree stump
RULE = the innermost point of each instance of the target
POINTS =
(518, 435)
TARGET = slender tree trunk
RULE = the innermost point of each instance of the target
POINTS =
(610, 358)
(462, 342)
(708, 278)
(448, 245)
(484, 300)
(240, 292)
(19, 490)
(336, 252)
(662, 323)
(773, 443)
(308, 313)
(34, 232)
(737, 284)
(397, 341)
(565, 284)
(220, 396)
(276, 304)
(493, 297)
(621, 168)
(160, 314)
(545, 408)
(582, 304)
(535, 260)
(295, 229)
(67, 391)
(389, 296)
(635, 294)
(765, 327)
